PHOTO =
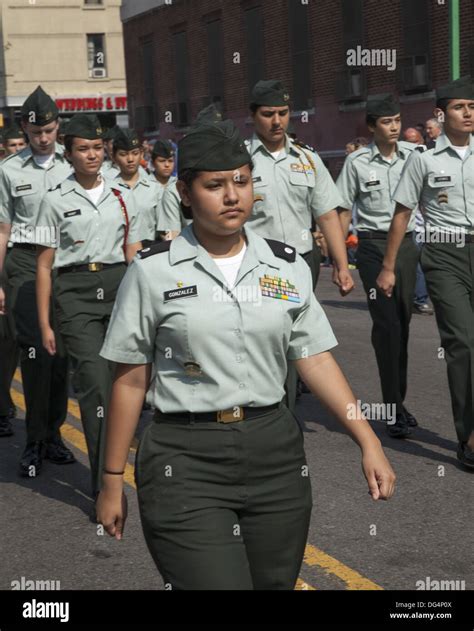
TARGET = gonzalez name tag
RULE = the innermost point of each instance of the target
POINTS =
(184, 292)
(72, 213)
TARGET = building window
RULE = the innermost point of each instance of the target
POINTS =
(181, 74)
(414, 67)
(300, 54)
(215, 52)
(255, 51)
(352, 81)
(146, 115)
(96, 56)
(89, 3)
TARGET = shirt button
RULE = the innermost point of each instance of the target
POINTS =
(238, 358)
(241, 386)
(237, 332)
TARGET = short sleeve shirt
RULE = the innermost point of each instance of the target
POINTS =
(170, 214)
(367, 184)
(289, 191)
(443, 183)
(83, 232)
(174, 308)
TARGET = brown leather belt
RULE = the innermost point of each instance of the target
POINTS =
(233, 415)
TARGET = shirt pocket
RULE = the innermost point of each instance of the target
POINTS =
(26, 196)
(73, 229)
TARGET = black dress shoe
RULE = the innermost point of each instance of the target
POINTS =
(5, 427)
(466, 455)
(424, 309)
(57, 452)
(31, 460)
(400, 428)
(411, 420)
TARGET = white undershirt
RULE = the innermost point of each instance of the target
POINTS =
(276, 154)
(95, 193)
(44, 161)
(461, 151)
(230, 266)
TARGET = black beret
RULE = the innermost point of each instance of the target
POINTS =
(210, 114)
(217, 147)
(162, 149)
(84, 126)
(462, 88)
(271, 93)
(127, 140)
(111, 133)
(13, 132)
(382, 105)
(39, 108)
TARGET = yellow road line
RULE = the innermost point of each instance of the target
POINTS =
(314, 557)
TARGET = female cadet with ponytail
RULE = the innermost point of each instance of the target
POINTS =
(225, 500)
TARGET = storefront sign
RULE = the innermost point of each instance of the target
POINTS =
(93, 104)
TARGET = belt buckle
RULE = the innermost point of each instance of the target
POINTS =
(233, 415)
(95, 267)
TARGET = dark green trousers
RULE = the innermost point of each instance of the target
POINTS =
(449, 273)
(9, 356)
(45, 378)
(225, 507)
(390, 316)
(84, 303)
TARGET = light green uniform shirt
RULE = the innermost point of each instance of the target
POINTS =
(22, 186)
(369, 180)
(84, 232)
(288, 192)
(443, 183)
(146, 194)
(175, 307)
(171, 218)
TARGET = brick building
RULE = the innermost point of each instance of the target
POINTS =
(183, 54)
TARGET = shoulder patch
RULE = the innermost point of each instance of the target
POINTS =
(303, 145)
(154, 247)
(282, 251)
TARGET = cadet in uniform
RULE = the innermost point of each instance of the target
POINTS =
(109, 137)
(224, 497)
(13, 140)
(99, 230)
(368, 179)
(24, 179)
(292, 185)
(441, 181)
(127, 155)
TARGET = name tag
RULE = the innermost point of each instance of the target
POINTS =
(72, 213)
(185, 292)
(257, 179)
(442, 178)
(24, 187)
(372, 183)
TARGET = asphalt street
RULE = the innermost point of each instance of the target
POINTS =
(423, 534)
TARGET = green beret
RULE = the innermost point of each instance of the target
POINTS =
(13, 133)
(162, 149)
(210, 114)
(84, 126)
(217, 147)
(127, 140)
(382, 105)
(271, 93)
(462, 88)
(39, 108)
(111, 133)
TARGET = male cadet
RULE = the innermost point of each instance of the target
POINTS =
(368, 180)
(127, 155)
(173, 216)
(13, 140)
(109, 137)
(292, 186)
(441, 180)
(24, 178)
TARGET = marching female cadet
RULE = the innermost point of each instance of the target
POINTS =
(127, 155)
(98, 230)
(441, 179)
(225, 499)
